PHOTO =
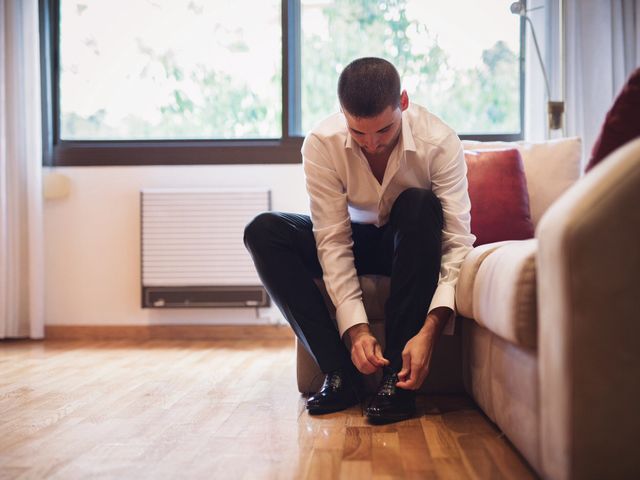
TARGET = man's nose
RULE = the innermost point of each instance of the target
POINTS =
(371, 141)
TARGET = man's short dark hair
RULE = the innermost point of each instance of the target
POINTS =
(367, 86)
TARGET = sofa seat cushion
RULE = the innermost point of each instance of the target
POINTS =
(504, 293)
(468, 271)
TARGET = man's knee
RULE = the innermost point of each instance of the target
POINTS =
(260, 229)
(414, 207)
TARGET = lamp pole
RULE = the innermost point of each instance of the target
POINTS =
(561, 30)
(555, 109)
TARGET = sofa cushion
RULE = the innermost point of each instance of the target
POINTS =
(466, 279)
(499, 197)
(551, 168)
(622, 122)
(504, 293)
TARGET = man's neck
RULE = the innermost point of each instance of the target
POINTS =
(378, 163)
(377, 158)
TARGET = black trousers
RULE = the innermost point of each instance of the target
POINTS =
(407, 248)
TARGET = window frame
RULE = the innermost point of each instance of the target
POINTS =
(284, 150)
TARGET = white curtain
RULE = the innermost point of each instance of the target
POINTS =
(21, 243)
(602, 49)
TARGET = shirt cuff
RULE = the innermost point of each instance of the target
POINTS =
(445, 296)
(350, 313)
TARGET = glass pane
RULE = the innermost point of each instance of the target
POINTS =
(170, 69)
(459, 59)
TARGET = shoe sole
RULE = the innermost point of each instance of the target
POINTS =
(323, 410)
(384, 419)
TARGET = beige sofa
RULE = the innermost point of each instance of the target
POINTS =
(548, 335)
(553, 353)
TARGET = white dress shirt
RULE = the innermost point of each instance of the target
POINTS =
(342, 189)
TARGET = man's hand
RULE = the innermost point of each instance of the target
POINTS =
(366, 353)
(416, 355)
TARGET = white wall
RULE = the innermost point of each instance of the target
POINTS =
(92, 237)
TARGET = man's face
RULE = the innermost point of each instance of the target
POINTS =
(376, 135)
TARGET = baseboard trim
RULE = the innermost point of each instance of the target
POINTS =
(167, 332)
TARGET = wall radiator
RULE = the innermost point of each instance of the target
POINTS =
(192, 249)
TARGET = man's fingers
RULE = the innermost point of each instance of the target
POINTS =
(372, 355)
(366, 355)
(367, 369)
(369, 353)
(377, 350)
(412, 383)
(361, 361)
(409, 384)
(406, 366)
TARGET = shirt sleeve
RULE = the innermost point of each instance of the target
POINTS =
(449, 184)
(332, 231)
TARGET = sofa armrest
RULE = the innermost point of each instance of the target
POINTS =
(589, 330)
(468, 272)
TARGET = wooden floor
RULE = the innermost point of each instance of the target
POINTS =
(218, 409)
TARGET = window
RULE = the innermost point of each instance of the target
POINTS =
(464, 70)
(210, 81)
(176, 69)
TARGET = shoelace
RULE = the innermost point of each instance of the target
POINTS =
(333, 380)
(388, 385)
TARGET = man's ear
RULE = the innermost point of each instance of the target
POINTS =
(404, 100)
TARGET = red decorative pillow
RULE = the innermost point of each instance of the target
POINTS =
(622, 122)
(499, 196)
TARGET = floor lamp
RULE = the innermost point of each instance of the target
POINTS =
(555, 109)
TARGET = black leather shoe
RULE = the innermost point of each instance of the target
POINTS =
(391, 404)
(338, 392)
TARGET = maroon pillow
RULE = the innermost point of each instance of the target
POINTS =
(622, 122)
(499, 196)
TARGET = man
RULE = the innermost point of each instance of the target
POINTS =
(388, 195)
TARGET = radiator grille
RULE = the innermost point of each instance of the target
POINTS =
(193, 237)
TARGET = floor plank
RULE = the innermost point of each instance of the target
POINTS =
(215, 409)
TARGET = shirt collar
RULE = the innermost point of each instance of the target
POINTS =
(349, 142)
(408, 143)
